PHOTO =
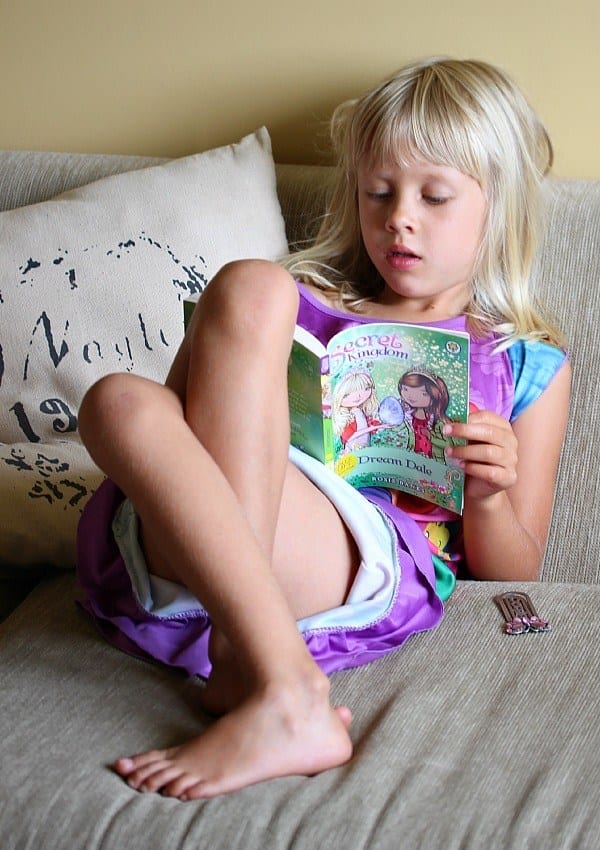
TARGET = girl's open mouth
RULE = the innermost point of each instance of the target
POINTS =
(401, 258)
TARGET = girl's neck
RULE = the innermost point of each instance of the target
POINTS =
(393, 307)
(400, 310)
(418, 314)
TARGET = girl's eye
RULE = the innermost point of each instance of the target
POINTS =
(379, 196)
(434, 200)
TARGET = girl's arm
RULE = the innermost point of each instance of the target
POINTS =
(511, 473)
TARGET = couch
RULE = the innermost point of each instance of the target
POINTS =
(466, 737)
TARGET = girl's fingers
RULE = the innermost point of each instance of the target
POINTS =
(482, 427)
(485, 453)
(490, 454)
(494, 476)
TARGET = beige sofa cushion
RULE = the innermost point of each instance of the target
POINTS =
(464, 738)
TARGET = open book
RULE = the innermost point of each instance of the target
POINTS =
(373, 404)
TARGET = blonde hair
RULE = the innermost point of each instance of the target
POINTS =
(465, 114)
(349, 383)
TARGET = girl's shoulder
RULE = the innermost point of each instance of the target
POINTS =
(534, 363)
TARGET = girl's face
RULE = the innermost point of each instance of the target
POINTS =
(356, 398)
(421, 226)
(416, 397)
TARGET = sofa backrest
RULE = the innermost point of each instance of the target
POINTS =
(567, 279)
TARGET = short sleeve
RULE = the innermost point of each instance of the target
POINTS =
(534, 364)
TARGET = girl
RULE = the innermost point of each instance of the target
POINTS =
(426, 399)
(433, 220)
(354, 408)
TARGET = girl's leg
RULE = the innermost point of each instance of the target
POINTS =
(240, 416)
(239, 413)
(231, 373)
(204, 460)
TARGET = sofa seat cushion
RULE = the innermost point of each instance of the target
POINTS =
(461, 721)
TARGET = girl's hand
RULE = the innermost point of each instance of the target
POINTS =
(490, 457)
(508, 504)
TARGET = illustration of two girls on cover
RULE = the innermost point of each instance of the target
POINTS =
(414, 421)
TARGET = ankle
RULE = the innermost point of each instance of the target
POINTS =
(306, 689)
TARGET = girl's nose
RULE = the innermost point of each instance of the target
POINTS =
(400, 216)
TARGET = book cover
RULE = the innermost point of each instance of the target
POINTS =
(188, 308)
(373, 404)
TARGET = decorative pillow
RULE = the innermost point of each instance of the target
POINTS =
(43, 488)
(92, 282)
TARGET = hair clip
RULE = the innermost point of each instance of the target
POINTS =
(519, 613)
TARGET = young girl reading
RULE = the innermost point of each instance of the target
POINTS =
(217, 549)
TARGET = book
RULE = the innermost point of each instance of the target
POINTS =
(188, 308)
(373, 403)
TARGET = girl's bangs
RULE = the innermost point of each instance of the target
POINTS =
(439, 133)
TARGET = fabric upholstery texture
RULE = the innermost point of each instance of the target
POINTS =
(464, 738)
(30, 177)
(568, 281)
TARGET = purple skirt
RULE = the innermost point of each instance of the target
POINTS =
(366, 627)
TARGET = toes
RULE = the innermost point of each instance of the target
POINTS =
(160, 779)
(180, 786)
(196, 791)
(344, 714)
(154, 771)
(140, 778)
(126, 766)
(136, 770)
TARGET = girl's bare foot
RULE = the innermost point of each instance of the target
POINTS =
(226, 687)
(223, 691)
(279, 732)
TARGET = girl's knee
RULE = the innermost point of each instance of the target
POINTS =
(111, 402)
(252, 294)
(256, 275)
(98, 399)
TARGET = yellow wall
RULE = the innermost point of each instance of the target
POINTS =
(170, 77)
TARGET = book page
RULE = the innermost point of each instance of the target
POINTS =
(310, 429)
